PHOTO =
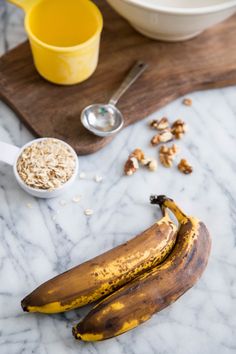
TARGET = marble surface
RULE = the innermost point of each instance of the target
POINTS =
(39, 239)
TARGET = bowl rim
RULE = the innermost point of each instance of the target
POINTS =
(182, 10)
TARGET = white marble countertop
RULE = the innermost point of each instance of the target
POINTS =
(39, 239)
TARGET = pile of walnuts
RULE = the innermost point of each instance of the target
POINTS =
(166, 133)
(137, 158)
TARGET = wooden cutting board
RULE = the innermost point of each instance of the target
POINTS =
(175, 69)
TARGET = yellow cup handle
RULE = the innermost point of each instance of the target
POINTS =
(24, 4)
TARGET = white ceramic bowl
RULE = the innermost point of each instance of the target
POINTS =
(10, 153)
(173, 20)
(41, 193)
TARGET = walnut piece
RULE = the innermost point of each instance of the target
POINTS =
(131, 166)
(185, 167)
(173, 150)
(161, 124)
(138, 154)
(163, 137)
(187, 102)
(136, 157)
(166, 154)
(178, 128)
(150, 163)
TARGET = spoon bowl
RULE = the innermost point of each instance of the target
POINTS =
(106, 119)
(102, 119)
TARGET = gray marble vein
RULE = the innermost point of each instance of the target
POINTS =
(39, 239)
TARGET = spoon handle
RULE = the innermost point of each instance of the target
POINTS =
(132, 76)
(8, 153)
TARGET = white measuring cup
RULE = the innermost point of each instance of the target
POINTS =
(10, 153)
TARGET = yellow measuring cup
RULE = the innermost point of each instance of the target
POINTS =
(64, 36)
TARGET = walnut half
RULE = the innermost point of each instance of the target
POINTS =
(187, 102)
(185, 167)
(179, 128)
(161, 124)
(163, 137)
(131, 166)
(166, 154)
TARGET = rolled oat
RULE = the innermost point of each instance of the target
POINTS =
(46, 164)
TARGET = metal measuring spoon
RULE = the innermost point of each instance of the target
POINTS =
(10, 153)
(106, 119)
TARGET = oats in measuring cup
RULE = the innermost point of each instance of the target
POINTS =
(46, 164)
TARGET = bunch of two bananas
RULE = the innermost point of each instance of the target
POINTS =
(135, 279)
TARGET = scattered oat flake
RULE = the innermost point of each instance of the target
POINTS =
(29, 205)
(76, 199)
(187, 102)
(88, 212)
(82, 175)
(98, 178)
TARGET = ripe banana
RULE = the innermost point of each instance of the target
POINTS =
(103, 274)
(157, 288)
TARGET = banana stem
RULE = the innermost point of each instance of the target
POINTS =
(164, 201)
(164, 211)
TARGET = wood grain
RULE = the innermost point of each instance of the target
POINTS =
(175, 69)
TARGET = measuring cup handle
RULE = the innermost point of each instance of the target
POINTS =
(8, 153)
(24, 4)
(132, 76)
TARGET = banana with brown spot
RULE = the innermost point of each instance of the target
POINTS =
(103, 274)
(156, 288)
